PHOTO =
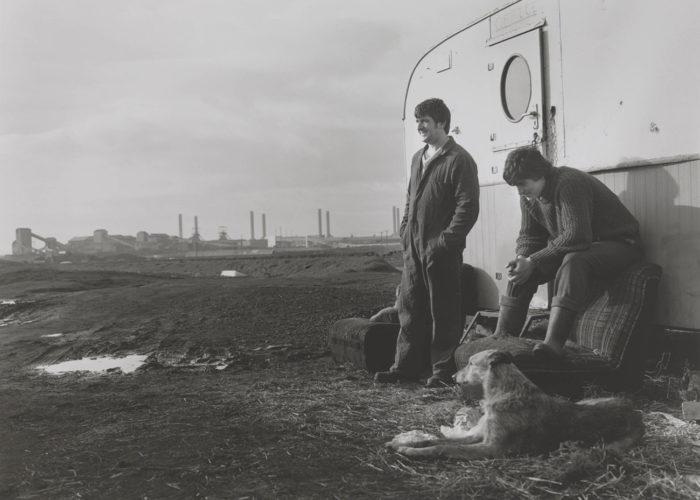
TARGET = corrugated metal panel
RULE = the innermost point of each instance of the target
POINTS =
(666, 201)
(491, 243)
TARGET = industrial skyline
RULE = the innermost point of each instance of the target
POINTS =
(23, 245)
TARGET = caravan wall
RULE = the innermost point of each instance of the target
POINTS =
(607, 87)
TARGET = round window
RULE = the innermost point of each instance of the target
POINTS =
(516, 88)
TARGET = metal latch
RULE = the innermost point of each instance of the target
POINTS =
(535, 115)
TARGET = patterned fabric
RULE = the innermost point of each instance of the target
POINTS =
(609, 322)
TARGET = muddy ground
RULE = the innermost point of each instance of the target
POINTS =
(239, 397)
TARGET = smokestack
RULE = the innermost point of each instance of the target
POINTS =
(252, 225)
(264, 235)
(398, 220)
(320, 224)
(179, 219)
(328, 224)
(393, 217)
(196, 228)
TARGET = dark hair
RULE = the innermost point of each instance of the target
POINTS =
(525, 163)
(435, 109)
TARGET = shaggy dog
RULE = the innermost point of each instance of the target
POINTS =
(521, 419)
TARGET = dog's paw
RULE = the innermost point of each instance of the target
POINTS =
(467, 417)
(454, 432)
(410, 451)
(410, 438)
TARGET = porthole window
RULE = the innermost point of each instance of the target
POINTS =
(516, 88)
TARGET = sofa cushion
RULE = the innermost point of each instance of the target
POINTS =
(366, 344)
(613, 321)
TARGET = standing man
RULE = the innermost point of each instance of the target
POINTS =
(574, 230)
(441, 207)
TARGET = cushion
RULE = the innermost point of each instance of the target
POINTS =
(386, 315)
(366, 344)
(611, 322)
(566, 376)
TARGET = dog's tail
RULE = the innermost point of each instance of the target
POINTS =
(614, 420)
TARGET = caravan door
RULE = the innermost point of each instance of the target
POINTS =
(516, 84)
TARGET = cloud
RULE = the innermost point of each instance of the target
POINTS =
(120, 114)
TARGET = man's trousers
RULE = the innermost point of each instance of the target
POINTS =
(429, 306)
(579, 276)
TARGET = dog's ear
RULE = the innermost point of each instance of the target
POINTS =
(500, 357)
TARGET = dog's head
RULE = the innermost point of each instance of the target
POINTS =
(471, 377)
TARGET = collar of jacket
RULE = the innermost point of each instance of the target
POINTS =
(427, 169)
(444, 149)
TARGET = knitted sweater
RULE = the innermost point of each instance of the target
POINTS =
(574, 210)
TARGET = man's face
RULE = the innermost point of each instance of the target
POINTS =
(429, 131)
(530, 188)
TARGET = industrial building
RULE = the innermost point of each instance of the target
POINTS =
(101, 242)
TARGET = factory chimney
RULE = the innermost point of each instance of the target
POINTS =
(320, 224)
(196, 228)
(179, 219)
(328, 224)
(393, 217)
(264, 229)
(252, 225)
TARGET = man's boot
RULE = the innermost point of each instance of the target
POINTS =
(511, 317)
(561, 320)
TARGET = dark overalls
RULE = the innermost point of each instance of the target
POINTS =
(441, 207)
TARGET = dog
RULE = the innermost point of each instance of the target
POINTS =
(520, 419)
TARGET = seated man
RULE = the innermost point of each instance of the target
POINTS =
(574, 230)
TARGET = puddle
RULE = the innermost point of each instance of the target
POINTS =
(52, 335)
(127, 364)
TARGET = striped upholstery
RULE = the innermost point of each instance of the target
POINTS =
(608, 322)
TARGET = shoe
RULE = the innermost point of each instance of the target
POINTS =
(391, 377)
(437, 381)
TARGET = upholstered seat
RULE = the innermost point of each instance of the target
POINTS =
(607, 345)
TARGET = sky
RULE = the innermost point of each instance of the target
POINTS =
(122, 114)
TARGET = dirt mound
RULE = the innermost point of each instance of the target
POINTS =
(298, 264)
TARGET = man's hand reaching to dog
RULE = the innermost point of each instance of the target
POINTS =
(520, 269)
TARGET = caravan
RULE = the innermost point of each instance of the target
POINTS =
(606, 87)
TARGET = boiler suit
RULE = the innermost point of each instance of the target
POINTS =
(441, 207)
